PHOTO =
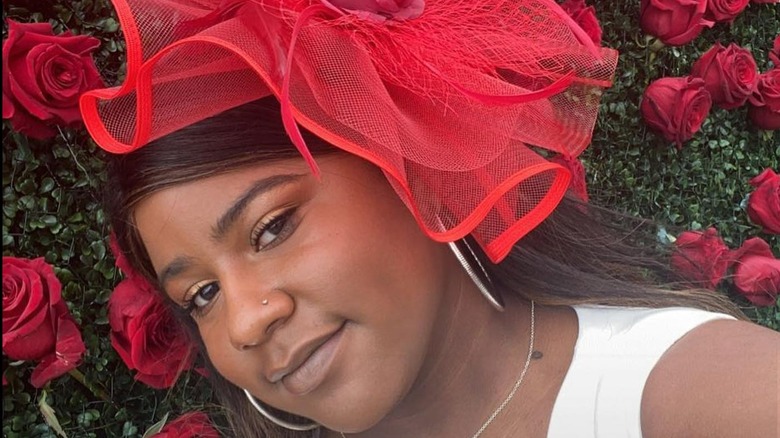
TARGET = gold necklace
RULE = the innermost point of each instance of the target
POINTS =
(516, 385)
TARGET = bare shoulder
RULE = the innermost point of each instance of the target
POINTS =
(722, 379)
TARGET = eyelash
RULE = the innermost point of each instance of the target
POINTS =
(189, 304)
(266, 224)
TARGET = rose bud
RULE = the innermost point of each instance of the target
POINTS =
(730, 74)
(764, 204)
(774, 54)
(675, 22)
(700, 258)
(120, 261)
(725, 10)
(756, 272)
(585, 17)
(43, 77)
(36, 322)
(764, 103)
(676, 107)
(145, 334)
(189, 425)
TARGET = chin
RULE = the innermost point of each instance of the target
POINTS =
(354, 422)
(361, 409)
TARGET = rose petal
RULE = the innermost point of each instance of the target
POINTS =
(67, 356)
(676, 107)
(35, 64)
(758, 279)
(701, 258)
(764, 203)
(730, 74)
(674, 22)
(189, 425)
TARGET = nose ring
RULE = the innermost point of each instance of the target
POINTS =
(265, 302)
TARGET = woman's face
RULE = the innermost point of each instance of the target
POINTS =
(319, 297)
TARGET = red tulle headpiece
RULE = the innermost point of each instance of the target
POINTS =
(447, 97)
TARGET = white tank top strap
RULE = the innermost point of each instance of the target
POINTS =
(616, 350)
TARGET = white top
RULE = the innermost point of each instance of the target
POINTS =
(616, 349)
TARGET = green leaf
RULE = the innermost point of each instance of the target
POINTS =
(99, 249)
(110, 25)
(49, 415)
(46, 185)
(77, 217)
(49, 219)
(26, 186)
(129, 429)
(156, 427)
(27, 202)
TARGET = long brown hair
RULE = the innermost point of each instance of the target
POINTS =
(581, 254)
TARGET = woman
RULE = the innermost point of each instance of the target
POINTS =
(418, 272)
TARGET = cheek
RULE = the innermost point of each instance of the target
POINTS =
(223, 356)
(397, 278)
(382, 251)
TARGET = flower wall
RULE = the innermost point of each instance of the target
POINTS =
(89, 352)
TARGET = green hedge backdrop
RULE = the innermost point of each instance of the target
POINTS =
(51, 193)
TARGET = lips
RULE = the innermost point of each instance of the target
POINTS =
(309, 363)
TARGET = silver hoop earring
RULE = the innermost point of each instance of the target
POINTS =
(277, 421)
(467, 258)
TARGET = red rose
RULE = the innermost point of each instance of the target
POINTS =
(585, 17)
(764, 108)
(676, 107)
(44, 75)
(730, 74)
(700, 258)
(146, 334)
(120, 261)
(189, 425)
(577, 185)
(757, 272)
(764, 203)
(725, 10)
(774, 54)
(675, 22)
(36, 322)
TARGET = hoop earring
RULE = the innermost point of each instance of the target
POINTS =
(277, 421)
(461, 248)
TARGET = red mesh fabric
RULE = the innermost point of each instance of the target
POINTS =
(445, 103)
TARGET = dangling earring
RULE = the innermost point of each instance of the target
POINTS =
(468, 258)
(277, 421)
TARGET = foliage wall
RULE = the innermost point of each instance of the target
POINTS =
(51, 204)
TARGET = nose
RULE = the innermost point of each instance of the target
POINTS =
(254, 314)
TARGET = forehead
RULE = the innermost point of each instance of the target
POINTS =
(190, 211)
(201, 197)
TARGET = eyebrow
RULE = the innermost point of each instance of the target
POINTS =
(229, 218)
(174, 268)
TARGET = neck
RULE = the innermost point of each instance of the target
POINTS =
(476, 356)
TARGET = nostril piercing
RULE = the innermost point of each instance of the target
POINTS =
(265, 302)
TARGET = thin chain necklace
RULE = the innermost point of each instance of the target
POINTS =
(517, 383)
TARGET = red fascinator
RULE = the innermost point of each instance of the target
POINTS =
(458, 101)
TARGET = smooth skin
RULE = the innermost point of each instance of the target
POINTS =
(420, 352)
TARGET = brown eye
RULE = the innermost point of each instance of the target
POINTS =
(273, 231)
(201, 298)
